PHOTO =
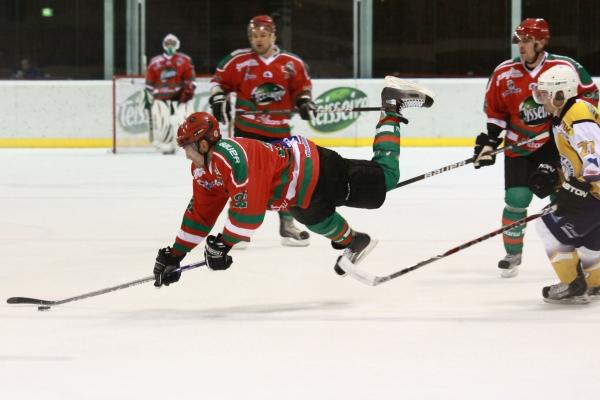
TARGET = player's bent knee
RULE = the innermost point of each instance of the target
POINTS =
(518, 197)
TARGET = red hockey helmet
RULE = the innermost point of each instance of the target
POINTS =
(261, 22)
(196, 127)
(536, 28)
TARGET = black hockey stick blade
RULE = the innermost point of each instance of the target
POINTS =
(29, 300)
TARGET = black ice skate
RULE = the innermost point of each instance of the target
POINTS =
(575, 292)
(291, 236)
(510, 265)
(361, 245)
(399, 94)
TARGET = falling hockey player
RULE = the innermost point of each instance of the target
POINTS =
(170, 86)
(571, 234)
(309, 180)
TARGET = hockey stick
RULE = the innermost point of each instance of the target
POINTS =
(468, 161)
(150, 126)
(374, 280)
(45, 304)
(317, 110)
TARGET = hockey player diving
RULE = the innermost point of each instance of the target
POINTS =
(295, 174)
(170, 86)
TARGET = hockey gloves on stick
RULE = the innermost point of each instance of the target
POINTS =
(306, 108)
(571, 196)
(483, 146)
(221, 109)
(543, 181)
(215, 253)
(164, 266)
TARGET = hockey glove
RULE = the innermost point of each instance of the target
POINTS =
(483, 146)
(215, 253)
(571, 197)
(543, 181)
(165, 264)
(186, 94)
(220, 106)
(306, 107)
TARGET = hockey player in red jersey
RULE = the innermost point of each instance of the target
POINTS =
(309, 180)
(170, 85)
(264, 78)
(509, 106)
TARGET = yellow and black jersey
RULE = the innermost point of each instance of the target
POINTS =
(577, 136)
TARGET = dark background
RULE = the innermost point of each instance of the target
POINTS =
(438, 38)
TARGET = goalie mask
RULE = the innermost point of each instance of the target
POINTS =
(197, 127)
(170, 44)
(558, 83)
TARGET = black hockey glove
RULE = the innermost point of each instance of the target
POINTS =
(544, 180)
(571, 196)
(215, 253)
(221, 108)
(164, 266)
(483, 146)
(306, 107)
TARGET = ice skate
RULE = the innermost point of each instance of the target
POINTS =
(575, 292)
(399, 94)
(291, 236)
(361, 245)
(509, 265)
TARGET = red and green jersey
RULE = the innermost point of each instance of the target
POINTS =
(168, 75)
(262, 83)
(509, 102)
(254, 177)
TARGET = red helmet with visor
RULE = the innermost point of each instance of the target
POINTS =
(531, 28)
(196, 127)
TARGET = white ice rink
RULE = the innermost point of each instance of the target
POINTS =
(279, 324)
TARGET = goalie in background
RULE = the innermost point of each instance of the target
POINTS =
(170, 85)
(309, 180)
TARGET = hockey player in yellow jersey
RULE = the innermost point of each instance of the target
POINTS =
(571, 234)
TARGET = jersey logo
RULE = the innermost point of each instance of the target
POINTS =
(240, 200)
(167, 74)
(204, 180)
(246, 64)
(288, 70)
(532, 113)
(511, 88)
(267, 94)
(267, 74)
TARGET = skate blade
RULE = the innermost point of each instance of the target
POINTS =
(575, 300)
(509, 272)
(401, 84)
(290, 242)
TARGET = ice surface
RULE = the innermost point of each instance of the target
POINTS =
(280, 324)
